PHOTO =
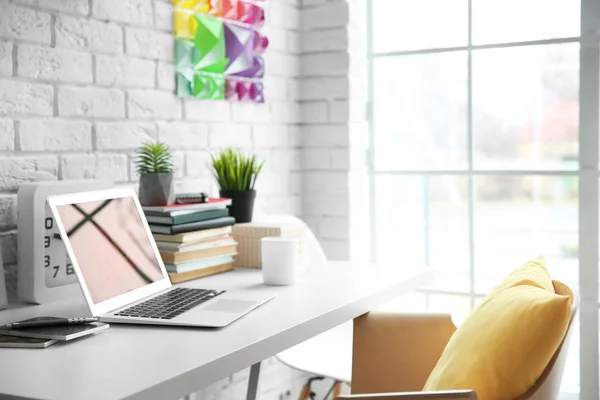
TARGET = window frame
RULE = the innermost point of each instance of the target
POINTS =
(587, 171)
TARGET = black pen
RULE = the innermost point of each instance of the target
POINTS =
(52, 322)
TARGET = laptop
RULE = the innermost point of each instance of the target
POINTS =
(120, 270)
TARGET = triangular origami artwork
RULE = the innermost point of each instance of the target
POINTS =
(252, 14)
(186, 56)
(257, 70)
(210, 42)
(209, 86)
(231, 90)
(187, 4)
(204, 7)
(256, 92)
(210, 53)
(230, 9)
(260, 43)
(183, 85)
(243, 11)
(201, 6)
(239, 48)
(243, 89)
(184, 24)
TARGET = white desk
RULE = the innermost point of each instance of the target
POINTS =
(146, 362)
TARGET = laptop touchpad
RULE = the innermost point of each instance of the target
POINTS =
(234, 306)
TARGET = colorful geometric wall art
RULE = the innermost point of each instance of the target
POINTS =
(219, 48)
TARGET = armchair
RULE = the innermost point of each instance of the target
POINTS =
(394, 354)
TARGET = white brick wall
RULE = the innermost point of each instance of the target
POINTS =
(49, 64)
(6, 59)
(88, 34)
(334, 181)
(54, 135)
(90, 102)
(24, 24)
(123, 71)
(84, 82)
(20, 98)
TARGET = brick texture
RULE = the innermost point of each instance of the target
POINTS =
(85, 34)
(18, 97)
(137, 12)
(125, 71)
(24, 24)
(54, 135)
(153, 104)
(148, 43)
(91, 102)
(80, 7)
(54, 64)
(332, 147)
(6, 63)
(7, 134)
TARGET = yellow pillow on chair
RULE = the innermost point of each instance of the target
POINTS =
(504, 346)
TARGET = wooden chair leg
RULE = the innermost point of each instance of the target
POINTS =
(305, 393)
(337, 390)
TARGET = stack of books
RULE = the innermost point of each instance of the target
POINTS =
(194, 240)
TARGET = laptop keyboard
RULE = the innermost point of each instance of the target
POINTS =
(171, 304)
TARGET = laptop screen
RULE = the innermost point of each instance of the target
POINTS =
(111, 246)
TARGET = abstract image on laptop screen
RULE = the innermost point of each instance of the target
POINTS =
(111, 246)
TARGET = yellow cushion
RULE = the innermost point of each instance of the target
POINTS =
(504, 346)
(532, 273)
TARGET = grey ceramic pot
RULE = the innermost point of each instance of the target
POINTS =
(156, 190)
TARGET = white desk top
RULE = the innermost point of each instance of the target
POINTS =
(148, 362)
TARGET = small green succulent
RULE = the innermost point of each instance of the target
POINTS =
(154, 158)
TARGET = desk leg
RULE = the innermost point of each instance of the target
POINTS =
(253, 381)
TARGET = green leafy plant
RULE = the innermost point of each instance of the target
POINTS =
(235, 171)
(154, 158)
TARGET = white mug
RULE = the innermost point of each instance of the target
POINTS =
(280, 259)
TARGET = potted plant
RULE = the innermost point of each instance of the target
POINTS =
(155, 166)
(236, 175)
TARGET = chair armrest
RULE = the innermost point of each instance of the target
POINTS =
(396, 352)
(438, 395)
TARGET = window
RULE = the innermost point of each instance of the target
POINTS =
(484, 149)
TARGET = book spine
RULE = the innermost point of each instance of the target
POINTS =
(209, 224)
(188, 276)
(198, 254)
(188, 218)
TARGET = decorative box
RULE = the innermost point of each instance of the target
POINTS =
(248, 236)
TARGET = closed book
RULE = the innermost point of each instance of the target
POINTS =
(178, 257)
(206, 244)
(27, 343)
(198, 264)
(183, 219)
(192, 226)
(199, 273)
(174, 213)
(61, 332)
(191, 237)
(213, 204)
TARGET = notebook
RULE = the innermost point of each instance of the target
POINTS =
(188, 266)
(193, 226)
(63, 332)
(176, 258)
(176, 209)
(192, 237)
(27, 343)
(187, 218)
